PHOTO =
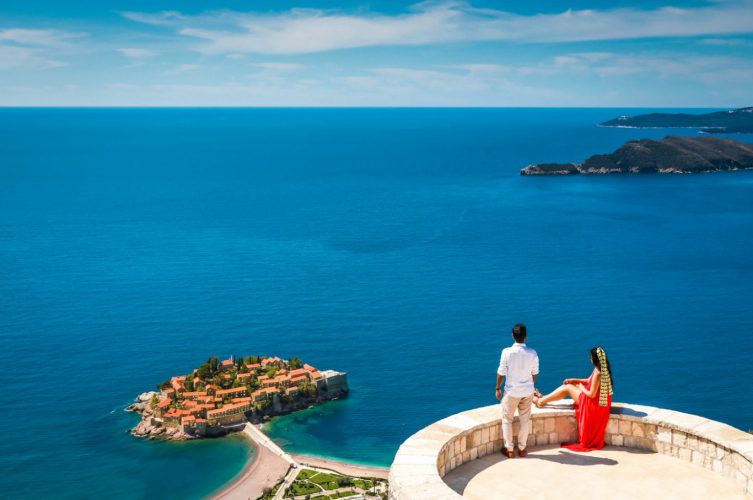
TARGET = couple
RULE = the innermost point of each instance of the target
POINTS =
(519, 369)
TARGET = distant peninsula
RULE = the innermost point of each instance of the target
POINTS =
(215, 398)
(671, 155)
(734, 121)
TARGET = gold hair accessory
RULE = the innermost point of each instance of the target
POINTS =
(606, 378)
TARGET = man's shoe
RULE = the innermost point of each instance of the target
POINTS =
(508, 453)
(522, 453)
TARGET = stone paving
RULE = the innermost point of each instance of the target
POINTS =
(551, 472)
(644, 436)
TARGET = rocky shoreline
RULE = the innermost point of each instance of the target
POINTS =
(149, 428)
(153, 429)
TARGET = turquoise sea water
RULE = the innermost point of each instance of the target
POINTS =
(398, 245)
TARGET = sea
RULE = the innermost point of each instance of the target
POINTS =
(397, 245)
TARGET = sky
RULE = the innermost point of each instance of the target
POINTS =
(654, 53)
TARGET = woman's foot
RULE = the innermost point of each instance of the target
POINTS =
(537, 402)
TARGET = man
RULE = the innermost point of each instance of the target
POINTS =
(518, 369)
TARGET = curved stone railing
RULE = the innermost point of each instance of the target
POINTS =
(428, 455)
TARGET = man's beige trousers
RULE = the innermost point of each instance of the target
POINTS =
(509, 405)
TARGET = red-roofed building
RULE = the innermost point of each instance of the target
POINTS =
(194, 394)
(278, 362)
(163, 406)
(233, 393)
(229, 410)
(165, 403)
(177, 385)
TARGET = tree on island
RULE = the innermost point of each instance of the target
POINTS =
(307, 389)
(295, 363)
(188, 384)
(205, 371)
(214, 364)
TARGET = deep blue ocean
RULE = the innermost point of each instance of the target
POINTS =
(399, 245)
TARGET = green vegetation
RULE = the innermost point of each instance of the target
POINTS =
(307, 389)
(303, 488)
(342, 494)
(313, 484)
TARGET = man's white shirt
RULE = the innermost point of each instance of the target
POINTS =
(518, 364)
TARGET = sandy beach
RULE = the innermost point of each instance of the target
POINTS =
(265, 470)
(271, 464)
(343, 467)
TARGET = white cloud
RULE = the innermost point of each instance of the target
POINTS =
(33, 48)
(279, 66)
(188, 67)
(25, 57)
(708, 69)
(137, 53)
(164, 18)
(309, 30)
(38, 38)
(726, 42)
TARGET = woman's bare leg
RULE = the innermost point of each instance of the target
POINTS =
(560, 392)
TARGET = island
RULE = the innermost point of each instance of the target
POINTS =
(671, 155)
(220, 396)
(734, 121)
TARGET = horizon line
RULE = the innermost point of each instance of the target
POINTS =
(117, 106)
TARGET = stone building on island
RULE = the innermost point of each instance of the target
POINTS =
(229, 392)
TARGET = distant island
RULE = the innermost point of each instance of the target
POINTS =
(215, 398)
(671, 155)
(735, 121)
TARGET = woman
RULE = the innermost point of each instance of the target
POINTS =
(593, 400)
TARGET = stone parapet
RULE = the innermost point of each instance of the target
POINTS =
(427, 456)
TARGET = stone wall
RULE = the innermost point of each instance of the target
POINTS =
(427, 456)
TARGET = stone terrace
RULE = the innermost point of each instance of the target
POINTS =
(459, 457)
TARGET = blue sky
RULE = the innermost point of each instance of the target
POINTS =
(669, 53)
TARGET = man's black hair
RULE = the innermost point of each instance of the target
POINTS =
(519, 332)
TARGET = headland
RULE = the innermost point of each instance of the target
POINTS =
(734, 121)
(671, 155)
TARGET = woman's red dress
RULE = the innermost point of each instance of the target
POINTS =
(592, 420)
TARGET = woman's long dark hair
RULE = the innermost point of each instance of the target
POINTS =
(595, 361)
